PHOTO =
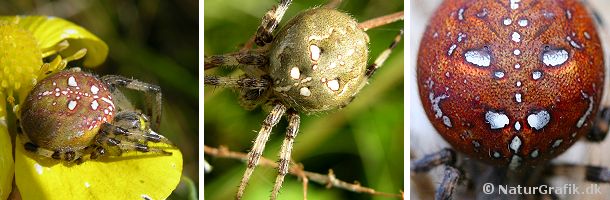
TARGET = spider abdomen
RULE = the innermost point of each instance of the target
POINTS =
(511, 83)
(65, 110)
(318, 60)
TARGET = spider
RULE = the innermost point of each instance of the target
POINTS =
(322, 73)
(522, 161)
(72, 116)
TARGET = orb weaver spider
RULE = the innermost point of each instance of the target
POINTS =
(71, 116)
(315, 93)
(523, 159)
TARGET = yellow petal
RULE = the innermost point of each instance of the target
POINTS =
(49, 31)
(132, 176)
(6, 160)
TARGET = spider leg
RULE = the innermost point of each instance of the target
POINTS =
(598, 174)
(450, 181)
(252, 58)
(270, 22)
(445, 156)
(152, 92)
(243, 82)
(291, 132)
(135, 127)
(259, 144)
(383, 56)
(113, 140)
(451, 175)
(600, 126)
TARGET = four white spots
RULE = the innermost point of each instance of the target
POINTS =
(296, 73)
(77, 91)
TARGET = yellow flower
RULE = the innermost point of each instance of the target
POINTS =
(25, 43)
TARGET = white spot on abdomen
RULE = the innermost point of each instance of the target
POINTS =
(72, 105)
(461, 14)
(523, 22)
(72, 81)
(496, 120)
(94, 105)
(539, 120)
(447, 121)
(518, 97)
(295, 73)
(514, 4)
(507, 21)
(516, 37)
(557, 143)
(515, 144)
(554, 57)
(499, 74)
(453, 46)
(517, 52)
(582, 119)
(333, 84)
(94, 89)
(536, 75)
(304, 91)
(314, 52)
(479, 58)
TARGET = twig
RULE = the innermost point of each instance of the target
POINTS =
(383, 20)
(297, 170)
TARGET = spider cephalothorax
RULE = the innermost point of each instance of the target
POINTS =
(513, 84)
(72, 114)
(316, 62)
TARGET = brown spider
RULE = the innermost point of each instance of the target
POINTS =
(315, 63)
(71, 116)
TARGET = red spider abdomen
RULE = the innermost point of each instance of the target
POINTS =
(65, 110)
(511, 83)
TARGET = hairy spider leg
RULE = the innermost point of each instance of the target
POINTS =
(249, 58)
(242, 82)
(451, 176)
(259, 144)
(270, 21)
(600, 127)
(137, 127)
(152, 92)
(110, 140)
(370, 70)
(294, 120)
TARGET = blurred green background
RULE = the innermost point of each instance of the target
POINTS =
(155, 41)
(361, 143)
